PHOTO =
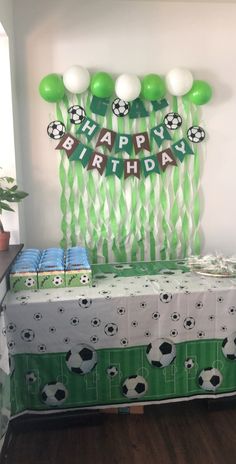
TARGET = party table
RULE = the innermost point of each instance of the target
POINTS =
(142, 333)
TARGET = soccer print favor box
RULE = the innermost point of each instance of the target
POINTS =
(53, 267)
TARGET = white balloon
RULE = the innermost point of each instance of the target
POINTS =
(76, 79)
(127, 87)
(179, 81)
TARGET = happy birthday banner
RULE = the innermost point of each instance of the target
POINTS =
(92, 159)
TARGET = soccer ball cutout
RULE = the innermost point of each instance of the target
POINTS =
(95, 322)
(210, 379)
(77, 114)
(175, 316)
(161, 352)
(165, 297)
(81, 359)
(30, 377)
(173, 121)
(84, 279)
(29, 282)
(189, 363)
(120, 108)
(196, 134)
(27, 335)
(54, 394)
(11, 327)
(56, 130)
(112, 371)
(134, 387)
(42, 348)
(57, 281)
(111, 329)
(229, 347)
(84, 303)
(189, 323)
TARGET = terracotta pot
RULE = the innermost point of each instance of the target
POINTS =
(4, 241)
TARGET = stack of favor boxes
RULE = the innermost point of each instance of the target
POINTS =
(50, 268)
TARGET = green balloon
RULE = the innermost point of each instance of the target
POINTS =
(102, 85)
(51, 88)
(153, 87)
(200, 93)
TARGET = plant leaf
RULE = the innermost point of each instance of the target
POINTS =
(7, 179)
(5, 206)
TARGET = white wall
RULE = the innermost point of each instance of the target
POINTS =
(10, 157)
(127, 36)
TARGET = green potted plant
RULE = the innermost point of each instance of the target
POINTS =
(9, 193)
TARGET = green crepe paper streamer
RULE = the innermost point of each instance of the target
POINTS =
(62, 177)
(67, 105)
(79, 171)
(142, 196)
(102, 192)
(133, 225)
(175, 212)
(70, 179)
(112, 194)
(152, 200)
(163, 202)
(111, 183)
(91, 213)
(122, 207)
(196, 204)
(175, 104)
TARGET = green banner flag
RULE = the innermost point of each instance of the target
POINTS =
(181, 148)
(160, 134)
(99, 105)
(137, 109)
(149, 165)
(115, 166)
(159, 104)
(123, 142)
(88, 127)
(81, 153)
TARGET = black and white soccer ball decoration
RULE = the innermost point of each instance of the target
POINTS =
(189, 363)
(57, 281)
(120, 107)
(81, 359)
(173, 121)
(29, 282)
(84, 279)
(165, 297)
(189, 323)
(77, 114)
(27, 335)
(196, 134)
(54, 394)
(111, 329)
(134, 387)
(30, 377)
(161, 352)
(210, 379)
(85, 303)
(229, 347)
(112, 371)
(56, 130)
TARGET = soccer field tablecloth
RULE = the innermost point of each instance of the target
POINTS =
(144, 332)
